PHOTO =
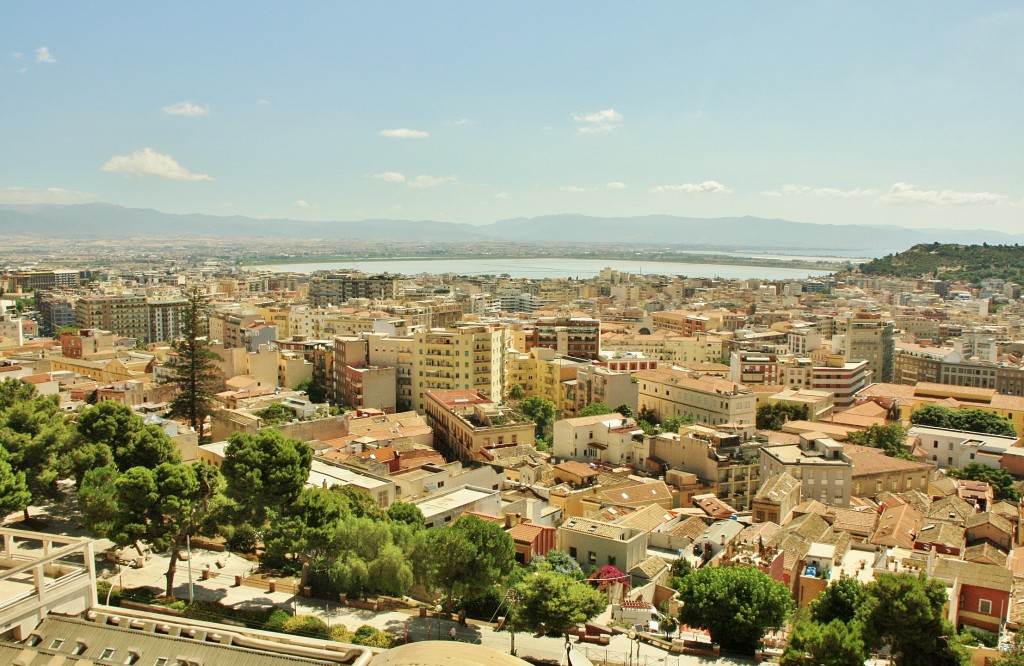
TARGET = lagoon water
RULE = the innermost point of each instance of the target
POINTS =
(549, 267)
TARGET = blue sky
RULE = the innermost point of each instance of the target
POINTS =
(833, 112)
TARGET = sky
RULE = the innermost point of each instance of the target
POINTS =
(902, 113)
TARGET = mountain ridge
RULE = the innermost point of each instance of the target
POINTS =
(95, 221)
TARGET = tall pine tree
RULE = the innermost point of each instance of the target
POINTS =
(193, 363)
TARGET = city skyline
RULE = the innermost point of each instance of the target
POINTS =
(838, 113)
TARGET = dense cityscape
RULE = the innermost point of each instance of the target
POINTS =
(595, 458)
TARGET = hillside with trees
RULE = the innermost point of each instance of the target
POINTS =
(945, 261)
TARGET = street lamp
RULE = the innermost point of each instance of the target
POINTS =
(635, 637)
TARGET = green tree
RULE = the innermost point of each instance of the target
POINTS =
(735, 604)
(841, 600)
(774, 415)
(193, 364)
(314, 389)
(1002, 482)
(890, 438)
(540, 410)
(674, 423)
(625, 410)
(905, 612)
(98, 499)
(834, 644)
(560, 562)
(14, 494)
(13, 391)
(681, 568)
(265, 471)
(36, 438)
(595, 409)
(165, 506)
(276, 414)
(553, 603)
(469, 556)
(405, 512)
(971, 420)
(517, 392)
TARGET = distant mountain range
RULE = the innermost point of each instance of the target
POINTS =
(105, 221)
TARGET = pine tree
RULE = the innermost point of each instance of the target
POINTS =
(193, 364)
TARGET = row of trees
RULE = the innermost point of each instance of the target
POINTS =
(971, 420)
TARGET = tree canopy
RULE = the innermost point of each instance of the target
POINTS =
(891, 439)
(193, 364)
(552, 602)
(540, 410)
(36, 438)
(774, 415)
(971, 420)
(735, 604)
(469, 556)
(163, 506)
(265, 471)
(1004, 486)
(596, 409)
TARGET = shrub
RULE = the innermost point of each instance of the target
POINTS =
(340, 633)
(307, 625)
(276, 620)
(373, 637)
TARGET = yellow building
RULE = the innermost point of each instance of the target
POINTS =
(470, 357)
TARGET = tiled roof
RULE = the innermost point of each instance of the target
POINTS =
(650, 568)
(985, 553)
(941, 534)
(997, 521)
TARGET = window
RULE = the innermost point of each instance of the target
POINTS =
(572, 552)
(611, 560)
(57, 644)
(985, 606)
(108, 653)
(592, 557)
(160, 661)
(80, 647)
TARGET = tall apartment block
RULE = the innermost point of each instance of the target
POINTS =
(461, 357)
(125, 314)
(337, 288)
(56, 310)
(872, 339)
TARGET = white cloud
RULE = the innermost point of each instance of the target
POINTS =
(790, 190)
(262, 101)
(433, 181)
(186, 109)
(148, 162)
(18, 55)
(575, 189)
(390, 177)
(598, 122)
(501, 195)
(299, 203)
(404, 133)
(51, 195)
(615, 186)
(43, 55)
(901, 193)
(710, 186)
(459, 122)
